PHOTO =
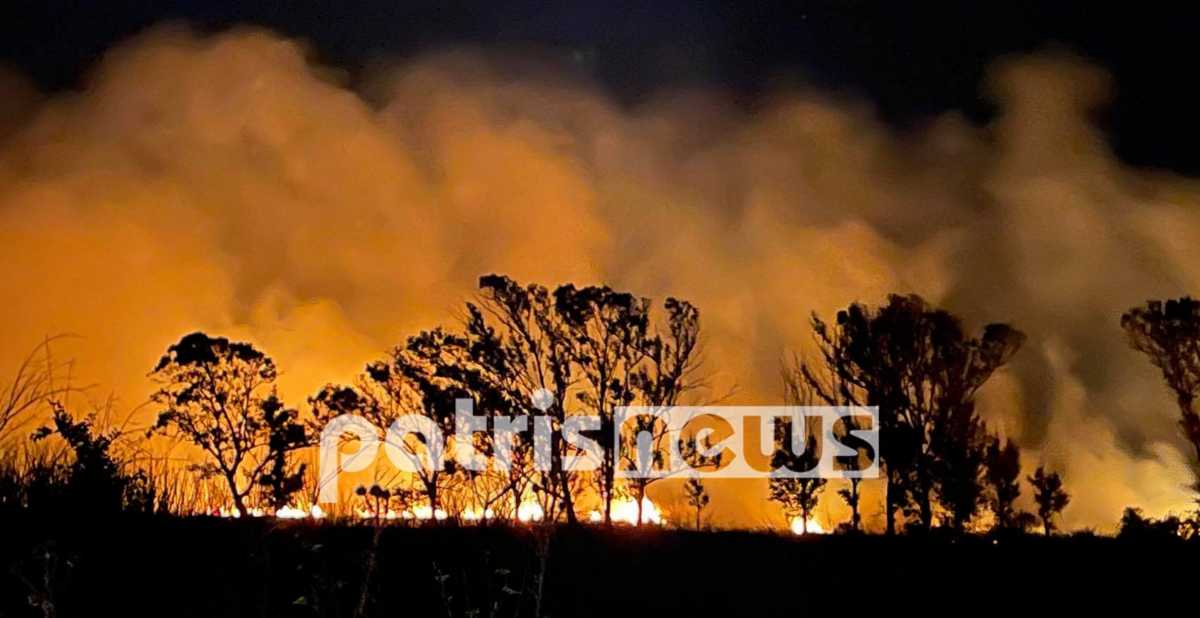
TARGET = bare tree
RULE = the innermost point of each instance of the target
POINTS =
(1169, 334)
(1049, 496)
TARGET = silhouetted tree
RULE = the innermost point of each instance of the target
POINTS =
(95, 481)
(504, 372)
(522, 344)
(285, 433)
(697, 496)
(957, 448)
(1136, 526)
(797, 497)
(1003, 474)
(918, 366)
(1049, 496)
(406, 382)
(851, 494)
(332, 401)
(220, 396)
(810, 384)
(665, 375)
(526, 350)
(608, 333)
(852, 497)
(413, 381)
(1169, 334)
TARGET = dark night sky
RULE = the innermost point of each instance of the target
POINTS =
(911, 62)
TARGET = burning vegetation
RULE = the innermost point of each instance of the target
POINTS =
(226, 444)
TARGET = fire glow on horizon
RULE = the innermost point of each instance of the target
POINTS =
(624, 511)
(798, 526)
(189, 165)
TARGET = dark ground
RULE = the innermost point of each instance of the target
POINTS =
(158, 566)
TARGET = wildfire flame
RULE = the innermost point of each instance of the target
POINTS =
(625, 510)
(291, 512)
(813, 526)
(423, 513)
(287, 512)
(530, 511)
(473, 514)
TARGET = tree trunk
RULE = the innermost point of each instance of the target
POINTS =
(568, 499)
(609, 471)
(608, 467)
(855, 519)
(516, 498)
(560, 477)
(431, 490)
(238, 501)
(926, 505)
(890, 499)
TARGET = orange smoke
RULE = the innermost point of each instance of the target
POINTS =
(229, 184)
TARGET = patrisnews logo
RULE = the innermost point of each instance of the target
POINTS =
(646, 442)
(742, 441)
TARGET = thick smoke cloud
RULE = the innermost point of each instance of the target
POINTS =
(227, 183)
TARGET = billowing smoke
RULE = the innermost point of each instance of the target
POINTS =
(228, 184)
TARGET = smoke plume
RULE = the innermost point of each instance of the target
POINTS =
(227, 183)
